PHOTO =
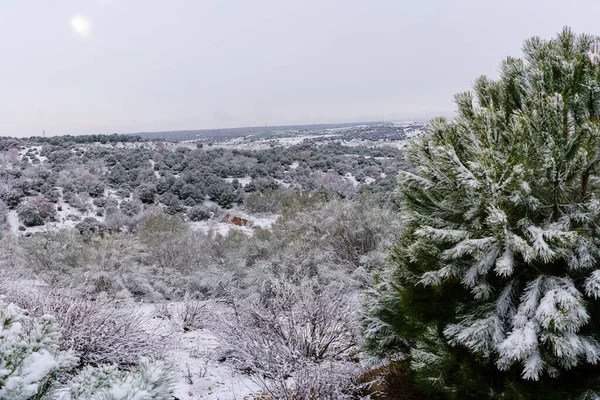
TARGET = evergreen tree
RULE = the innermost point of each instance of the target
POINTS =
(493, 285)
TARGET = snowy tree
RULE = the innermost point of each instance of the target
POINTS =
(31, 358)
(35, 211)
(493, 285)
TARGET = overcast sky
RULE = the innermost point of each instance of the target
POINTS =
(104, 66)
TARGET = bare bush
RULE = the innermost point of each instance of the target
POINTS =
(292, 336)
(188, 315)
(325, 382)
(99, 331)
(191, 314)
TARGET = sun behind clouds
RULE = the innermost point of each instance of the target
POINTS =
(81, 26)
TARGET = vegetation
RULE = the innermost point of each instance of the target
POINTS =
(127, 264)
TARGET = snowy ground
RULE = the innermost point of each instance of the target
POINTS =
(201, 376)
(195, 356)
(218, 226)
(195, 361)
(243, 181)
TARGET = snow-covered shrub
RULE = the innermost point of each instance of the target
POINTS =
(11, 196)
(78, 201)
(33, 366)
(199, 213)
(53, 253)
(293, 332)
(100, 332)
(130, 208)
(168, 241)
(90, 226)
(115, 252)
(266, 201)
(146, 193)
(330, 381)
(187, 315)
(30, 358)
(147, 381)
(95, 188)
(35, 211)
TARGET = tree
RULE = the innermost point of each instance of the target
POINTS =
(494, 282)
(199, 213)
(11, 197)
(130, 208)
(30, 354)
(147, 193)
(35, 211)
(95, 188)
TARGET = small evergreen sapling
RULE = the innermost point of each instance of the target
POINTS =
(30, 358)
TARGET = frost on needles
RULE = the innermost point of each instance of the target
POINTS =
(493, 286)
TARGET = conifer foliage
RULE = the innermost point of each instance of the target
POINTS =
(494, 285)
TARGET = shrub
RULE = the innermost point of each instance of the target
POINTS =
(53, 253)
(267, 201)
(100, 332)
(199, 213)
(90, 226)
(130, 208)
(148, 380)
(147, 193)
(295, 332)
(188, 315)
(168, 241)
(11, 197)
(100, 201)
(95, 188)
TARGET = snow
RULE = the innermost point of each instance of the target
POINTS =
(349, 177)
(156, 173)
(218, 226)
(195, 358)
(243, 181)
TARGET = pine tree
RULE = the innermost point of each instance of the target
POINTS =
(493, 285)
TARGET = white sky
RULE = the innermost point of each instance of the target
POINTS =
(104, 66)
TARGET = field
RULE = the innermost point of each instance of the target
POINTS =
(239, 263)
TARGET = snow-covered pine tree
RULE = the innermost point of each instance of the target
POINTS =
(493, 285)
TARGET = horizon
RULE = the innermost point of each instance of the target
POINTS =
(341, 124)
